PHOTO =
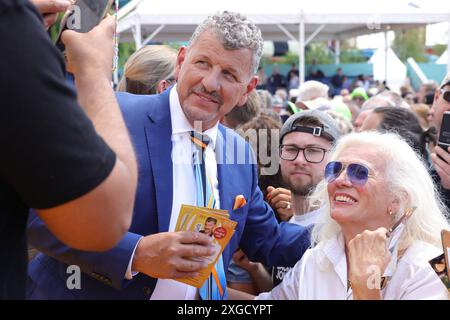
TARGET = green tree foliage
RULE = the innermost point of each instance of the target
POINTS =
(318, 53)
(126, 49)
(290, 58)
(410, 43)
(352, 56)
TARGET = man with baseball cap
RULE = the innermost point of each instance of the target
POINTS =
(305, 142)
(440, 157)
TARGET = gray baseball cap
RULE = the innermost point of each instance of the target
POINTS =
(329, 130)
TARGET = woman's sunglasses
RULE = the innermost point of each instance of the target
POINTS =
(445, 95)
(356, 173)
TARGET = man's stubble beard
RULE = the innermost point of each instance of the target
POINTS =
(302, 191)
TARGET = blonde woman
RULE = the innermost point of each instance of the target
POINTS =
(149, 70)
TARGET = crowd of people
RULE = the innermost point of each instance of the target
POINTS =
(343, 192)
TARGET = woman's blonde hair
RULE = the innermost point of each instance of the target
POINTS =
(146, 68)
(406, 176)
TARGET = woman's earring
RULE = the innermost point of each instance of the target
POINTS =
(390, 212)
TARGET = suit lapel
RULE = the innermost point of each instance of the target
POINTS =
(158, 134)
(225, 177)
(223, 170)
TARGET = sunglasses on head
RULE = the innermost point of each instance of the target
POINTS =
(356, 173)
(445, 95)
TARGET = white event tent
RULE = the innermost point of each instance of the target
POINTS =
(444, 58)
(281, 20)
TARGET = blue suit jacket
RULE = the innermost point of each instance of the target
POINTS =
(148, 121)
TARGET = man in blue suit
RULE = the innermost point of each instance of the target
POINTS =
(214, 74)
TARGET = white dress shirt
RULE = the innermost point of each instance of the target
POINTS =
(184, 186)
(322, 274)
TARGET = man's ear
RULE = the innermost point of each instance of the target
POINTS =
(180, 59)
(162, 86)
(250, 86)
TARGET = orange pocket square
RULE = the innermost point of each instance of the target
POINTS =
(239, 202)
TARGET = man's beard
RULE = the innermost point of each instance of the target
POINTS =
(302, 191)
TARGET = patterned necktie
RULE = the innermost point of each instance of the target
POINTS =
(215, 287)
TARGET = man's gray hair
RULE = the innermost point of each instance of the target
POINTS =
(311, 90)
(235, 32)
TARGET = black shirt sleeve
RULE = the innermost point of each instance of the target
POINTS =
(50, 152)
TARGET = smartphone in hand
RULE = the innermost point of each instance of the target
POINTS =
(82, 17)
(444, 133)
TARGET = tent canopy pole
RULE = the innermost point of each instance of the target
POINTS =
(137, 35)
(301, 55)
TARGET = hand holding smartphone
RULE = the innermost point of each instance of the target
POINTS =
(444, 133)
(82, 17)
(91, 52)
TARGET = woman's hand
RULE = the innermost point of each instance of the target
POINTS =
(368, 257)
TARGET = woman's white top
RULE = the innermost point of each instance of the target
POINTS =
(322, 274)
